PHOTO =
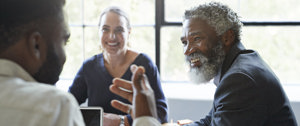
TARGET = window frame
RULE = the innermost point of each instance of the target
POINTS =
(161, 22)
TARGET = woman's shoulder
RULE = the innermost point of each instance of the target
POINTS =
(144, 58)
(138, 55)
(94, 59)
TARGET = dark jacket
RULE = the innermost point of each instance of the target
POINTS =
(248, 93)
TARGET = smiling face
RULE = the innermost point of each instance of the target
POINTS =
(114, 33)
(203, 50)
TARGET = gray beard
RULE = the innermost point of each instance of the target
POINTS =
(210, 66)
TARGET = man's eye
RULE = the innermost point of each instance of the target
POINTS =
(184, 42)
(197, 38)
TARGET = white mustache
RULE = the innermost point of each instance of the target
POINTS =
(196, 55)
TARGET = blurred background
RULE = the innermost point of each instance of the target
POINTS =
(271, 27)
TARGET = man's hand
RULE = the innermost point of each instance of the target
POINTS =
(110, 119)
(138, 91)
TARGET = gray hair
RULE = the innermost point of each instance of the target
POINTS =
(118, 11)
(218, 16)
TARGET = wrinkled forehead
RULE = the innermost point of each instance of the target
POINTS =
(195, 26)
(185, 27)
(190, 26)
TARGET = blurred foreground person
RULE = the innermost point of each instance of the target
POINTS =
(33, 34)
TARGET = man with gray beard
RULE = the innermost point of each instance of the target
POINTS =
(248, 93)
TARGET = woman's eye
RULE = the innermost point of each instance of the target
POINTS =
(119, 30)
(105, 29)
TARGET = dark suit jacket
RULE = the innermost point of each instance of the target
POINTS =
(248, 93)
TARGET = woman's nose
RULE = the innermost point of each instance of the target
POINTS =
(112, 36)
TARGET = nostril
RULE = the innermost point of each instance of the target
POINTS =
(112, 36)
(187, 50)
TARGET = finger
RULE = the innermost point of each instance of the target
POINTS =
(145, 84)
(138, 77)
(125, 94)
(133, 68)
(121, 83)
(120, 106)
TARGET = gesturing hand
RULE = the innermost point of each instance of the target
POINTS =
(138, 92)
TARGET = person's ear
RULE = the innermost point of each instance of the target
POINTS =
(128, 37)
(129, 30)
(228, 38)
(36, 45)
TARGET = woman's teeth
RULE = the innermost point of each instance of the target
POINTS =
(113, 44)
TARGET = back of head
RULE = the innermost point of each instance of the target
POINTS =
(218, 16)
(17, 15)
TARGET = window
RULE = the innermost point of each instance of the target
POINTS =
(83, 16)
(271, 27)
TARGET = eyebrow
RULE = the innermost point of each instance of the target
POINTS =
(105, 26)
(195, 33)
(182, 38)
(119, 27)
(191, 34)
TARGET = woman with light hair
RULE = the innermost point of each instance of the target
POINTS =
(96, 74)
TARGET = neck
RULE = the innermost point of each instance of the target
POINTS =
(115, 59)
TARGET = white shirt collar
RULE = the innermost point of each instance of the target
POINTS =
(12, 69)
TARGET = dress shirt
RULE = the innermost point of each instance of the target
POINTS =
(25, 102)
(146, 121)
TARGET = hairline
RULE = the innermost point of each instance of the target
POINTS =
(117, 11)
(204, 12)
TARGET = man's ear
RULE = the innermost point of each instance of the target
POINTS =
(228, 39)
(36, 45)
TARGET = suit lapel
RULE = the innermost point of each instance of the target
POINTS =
(235, 50)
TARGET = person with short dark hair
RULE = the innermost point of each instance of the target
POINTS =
(33, 34)
(248, 93)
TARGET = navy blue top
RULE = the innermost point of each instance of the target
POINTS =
(93, 80)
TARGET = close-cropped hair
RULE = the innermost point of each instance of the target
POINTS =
(116, 10)
(17, 17)
(218, 16)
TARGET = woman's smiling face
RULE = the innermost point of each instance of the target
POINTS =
(114, 33)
